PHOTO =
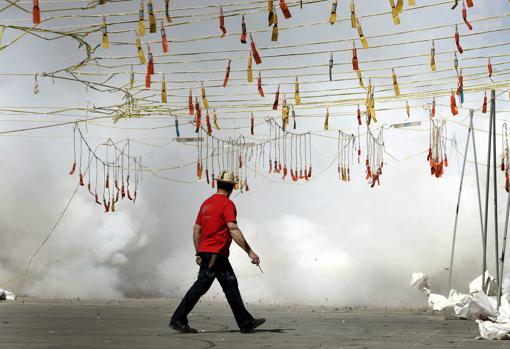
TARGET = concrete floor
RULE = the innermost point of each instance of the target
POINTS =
(30, 323)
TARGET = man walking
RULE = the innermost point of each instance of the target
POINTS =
(215, 227)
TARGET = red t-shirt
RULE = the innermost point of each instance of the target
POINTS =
(214, 214)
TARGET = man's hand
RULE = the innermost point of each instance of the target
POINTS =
(198, 260)
(254, 257)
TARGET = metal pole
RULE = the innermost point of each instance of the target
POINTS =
(500, 282)
(496, 237)
(476, 172)
(487, 184)
(450, 274)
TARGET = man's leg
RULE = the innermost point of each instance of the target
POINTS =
(199, 288)
(228, 281)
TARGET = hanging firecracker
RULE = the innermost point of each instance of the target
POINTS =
(285, 9)
(276, 98)
(198, 116)
(326, 120)
(249, 70)
(259, 85)
(375, 157)
(167, 11)
(254, 51)
(271, 12)
(243, 30)
(362, 37)
(191, 109)
(152, 17)
(105, 41)
(433, 57)
(437, 157)
(215, 120)
(353, 15)
(355, 64)
(140, 53)
(457, 40)
(204, 97)
(332, 15)
(164, 98)
(297, 97)
(36, 13)
(453, 104)
(141, 20)
(345, 155)
(252, 125)
(222, 23)
(464, 17)
(274, 31)
(395, 83)
(227, 74)
(114, 169)
(330, 66)
(164, 40)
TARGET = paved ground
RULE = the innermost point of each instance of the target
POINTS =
(68, 324)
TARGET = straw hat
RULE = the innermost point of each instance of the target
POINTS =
(227, 177)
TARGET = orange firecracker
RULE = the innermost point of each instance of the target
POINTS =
(73, 169)
(259, 85)
(464, 17)
(453, 104)
(222, 23)
(227, 74)
(191, 110)
(276, 98)
(285, 9)
(36, 13)
(164, 41)
(254, 51)
(208, 123)
(457, 40)
(148, 81)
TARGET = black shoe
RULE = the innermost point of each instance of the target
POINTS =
(181, 327)
(253, 325)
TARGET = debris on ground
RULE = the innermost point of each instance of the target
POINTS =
(493, 323)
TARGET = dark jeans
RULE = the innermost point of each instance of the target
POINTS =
(221, 270)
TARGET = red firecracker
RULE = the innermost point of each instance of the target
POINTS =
(285, 9)
(259, 85)
(227, 74)
(222, 23)
(457, 40)
(191, 110)
(254, 51)
(243, 27)
(36, 13)
(276, 98)
(355, 65)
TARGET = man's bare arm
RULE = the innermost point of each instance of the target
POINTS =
(197, 231)
(238, 237)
